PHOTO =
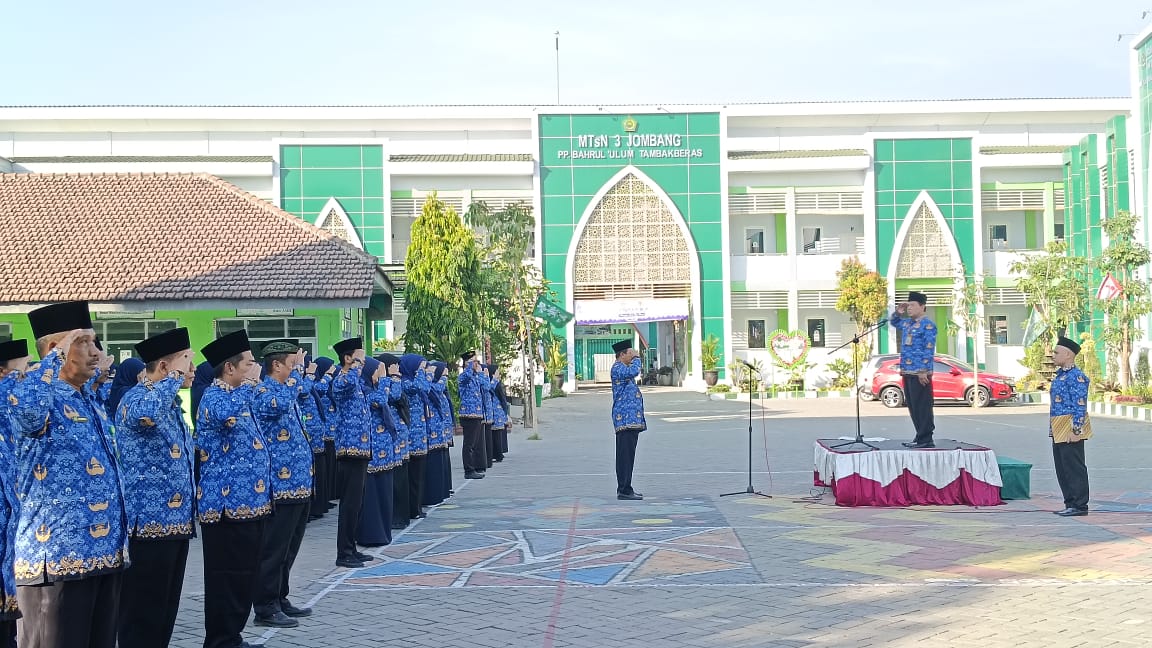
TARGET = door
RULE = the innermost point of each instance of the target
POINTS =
(945, 385)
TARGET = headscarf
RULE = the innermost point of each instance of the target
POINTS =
(205, 374)
(371, 365)
(323, 364)
(410, 364)
(126, 378)
(388, 359)
(440, 368)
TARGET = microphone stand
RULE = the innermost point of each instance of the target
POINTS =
(855, 341)
(749, 490)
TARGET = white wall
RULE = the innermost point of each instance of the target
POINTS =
(842, 227)
(1015, 222)
(798, 179)
(459, 183)
(1010, 175)
(740, 317)
(741, 221)
(1017, 317)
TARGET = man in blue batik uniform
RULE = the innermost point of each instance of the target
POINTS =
(917, 354)
(279, 418)
(472, 417)
(13, 364)
(353, 448)
(156, 455)
(234, 500)
(71, 538)
(1069, 396)
(627, 416)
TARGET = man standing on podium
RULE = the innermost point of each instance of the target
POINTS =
(627, 416)
(917, 354)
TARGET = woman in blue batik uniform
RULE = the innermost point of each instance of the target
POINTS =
(376, 512)
(435, 489)
(627, 416)
(416, 388)
(401, 416)
(316, 381)
(13, 362)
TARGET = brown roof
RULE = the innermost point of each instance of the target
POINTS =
(99, 159)
(128, 237)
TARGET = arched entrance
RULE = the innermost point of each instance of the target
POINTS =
(928, 261)
(634, 270)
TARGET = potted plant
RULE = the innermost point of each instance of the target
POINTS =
(710, 357)
(664, 376)
(516, 394)
(557, 365)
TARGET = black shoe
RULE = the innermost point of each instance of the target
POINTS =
(909, 444)
(1071, 512)
(349, 562)
(917, 446)
(629, 496)
(399, 527)
(278, 620)
(293, 611)
(363, 557)
(498, 459)
(471, 475)
(420, 516)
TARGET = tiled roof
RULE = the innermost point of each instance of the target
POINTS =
(1017, 150)
(464, 157)
(129, 237)
(784, 155)
(89, 159)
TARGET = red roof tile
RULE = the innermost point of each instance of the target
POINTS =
(156, 236)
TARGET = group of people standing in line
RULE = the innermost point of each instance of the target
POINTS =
(103, 481)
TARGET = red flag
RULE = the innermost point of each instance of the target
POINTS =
(1109, 288)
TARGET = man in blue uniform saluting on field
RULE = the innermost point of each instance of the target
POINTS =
(627, 416)
(917, 355)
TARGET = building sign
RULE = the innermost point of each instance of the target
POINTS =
(627, 311)
(629, 147)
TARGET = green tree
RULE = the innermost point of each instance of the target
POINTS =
(1123, 259)
(511, 286)
(1053, 284)
(443, 270)
(864, 296)
(968, 313)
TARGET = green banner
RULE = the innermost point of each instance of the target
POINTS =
(551, 313)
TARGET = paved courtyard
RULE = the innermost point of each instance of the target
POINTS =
(541, 553)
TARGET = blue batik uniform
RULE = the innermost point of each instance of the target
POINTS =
(471, 394)
(447, 415)
(278, 417)
(9, 506)
(331, 416)
(918, 344)
(72, 522)
(1069, 395)
(416, 389)
(486, 397)
(627, 401)
(315, 421)
(395, 395)
(383, 430)
(156, 459)
(441, 416)
(354, 434)
(235, 468)
(499, 416)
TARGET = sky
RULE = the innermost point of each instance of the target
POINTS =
(364, 52)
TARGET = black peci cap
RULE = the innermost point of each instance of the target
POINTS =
(220, 349)
(59, 318)
(164, 344)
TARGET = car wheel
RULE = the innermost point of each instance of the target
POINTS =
(985, 396)
(892, 396)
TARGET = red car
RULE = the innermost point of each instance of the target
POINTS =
(952, 380)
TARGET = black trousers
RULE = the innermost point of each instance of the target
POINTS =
(400, 515)
(472, 454)
(487, 446)
(625, 460)
(150, 597)
(8, 633)
(919, 400)
(496, 451)
(282, 541)
(70, 614)
(355, 474)
(416, 486)
(231, 559)
(1071, 473)
(320, 494)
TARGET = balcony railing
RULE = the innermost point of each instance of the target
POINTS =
(835, 245)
